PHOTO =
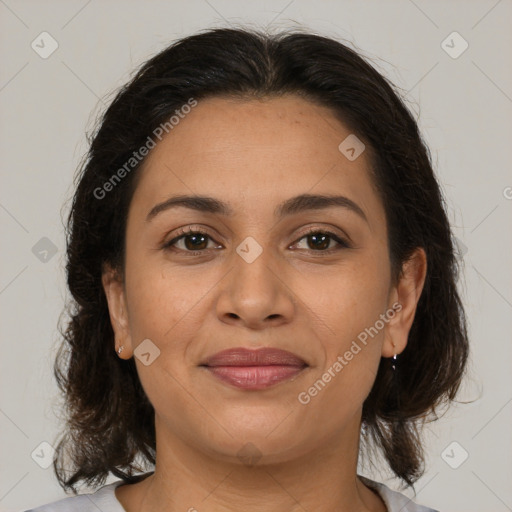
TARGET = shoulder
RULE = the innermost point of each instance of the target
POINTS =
(103, 499)
(394, 501)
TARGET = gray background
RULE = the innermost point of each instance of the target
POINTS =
(464, 104)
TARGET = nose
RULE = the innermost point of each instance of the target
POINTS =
(256, 294)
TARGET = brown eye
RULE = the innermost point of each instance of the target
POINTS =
(195, 242)
(190, 241)
(321, 241)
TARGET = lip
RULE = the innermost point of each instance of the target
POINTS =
(254, 369)
(266, 356)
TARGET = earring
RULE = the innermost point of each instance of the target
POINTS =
(394, 359)
(120, 349)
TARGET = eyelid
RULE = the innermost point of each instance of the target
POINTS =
(188, 230)
(342, 241)
(328, 231)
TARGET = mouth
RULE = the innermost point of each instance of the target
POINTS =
(254, 369)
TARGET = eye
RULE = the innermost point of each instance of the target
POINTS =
(320, 241)
(191, 240)
(194, 240)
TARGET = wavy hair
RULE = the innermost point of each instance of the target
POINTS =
(110, 421)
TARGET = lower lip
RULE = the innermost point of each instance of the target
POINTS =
(254, 377)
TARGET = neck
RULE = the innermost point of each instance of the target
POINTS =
(187, 479)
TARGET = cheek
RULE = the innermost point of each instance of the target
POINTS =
(352, 299)
(167, 307)
(352, 344)
(350, 311)
(163, 301)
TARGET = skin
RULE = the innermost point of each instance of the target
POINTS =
(253, 155)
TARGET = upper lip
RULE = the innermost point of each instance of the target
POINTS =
(266, 356)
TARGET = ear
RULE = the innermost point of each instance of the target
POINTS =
(404, 297)
(113, 286)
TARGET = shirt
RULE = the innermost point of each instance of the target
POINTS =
(104, 499)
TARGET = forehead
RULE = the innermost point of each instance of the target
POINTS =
(240, 125)
(251, 150)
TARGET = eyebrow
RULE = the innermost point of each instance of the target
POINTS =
(297, 204)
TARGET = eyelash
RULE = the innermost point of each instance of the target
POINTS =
(184, 232)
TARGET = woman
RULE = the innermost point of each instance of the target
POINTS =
(262, 269)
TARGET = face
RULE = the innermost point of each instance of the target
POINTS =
(305, 277)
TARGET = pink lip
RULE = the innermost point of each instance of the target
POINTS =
(254, 369)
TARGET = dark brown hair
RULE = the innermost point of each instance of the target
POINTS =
(110, 421)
